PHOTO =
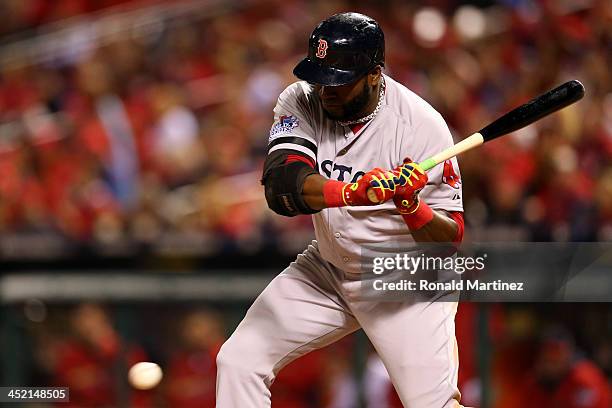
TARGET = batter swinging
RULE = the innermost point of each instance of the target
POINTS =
(344, 129)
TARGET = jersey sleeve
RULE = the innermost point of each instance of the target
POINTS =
(443, 190)
(293, 128)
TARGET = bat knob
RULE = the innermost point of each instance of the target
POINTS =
(372, 196)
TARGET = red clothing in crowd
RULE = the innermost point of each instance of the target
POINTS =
(584, 386)
(299, 385)
(191, 378)
(92, 374)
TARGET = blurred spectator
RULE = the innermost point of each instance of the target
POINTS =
(175, 144)
(300, 384)
(191, 374)
(320, 379)
(563, 379)
(378, 389)
(93, 362)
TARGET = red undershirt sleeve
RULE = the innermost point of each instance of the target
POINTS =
(457, 216)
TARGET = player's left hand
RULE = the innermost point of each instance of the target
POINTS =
(410, 179)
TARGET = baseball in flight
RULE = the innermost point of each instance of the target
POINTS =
(145, 375)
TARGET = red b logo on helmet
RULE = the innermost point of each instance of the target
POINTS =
(322, 50)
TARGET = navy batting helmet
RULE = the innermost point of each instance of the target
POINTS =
(341, 49)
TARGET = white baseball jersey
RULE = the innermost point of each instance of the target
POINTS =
(405, 126)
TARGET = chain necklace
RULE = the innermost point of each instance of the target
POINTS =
(381, 95)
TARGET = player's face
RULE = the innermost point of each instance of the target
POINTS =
(347, 102)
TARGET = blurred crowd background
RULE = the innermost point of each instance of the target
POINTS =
(133, 127)
(527, 355)
(136, 130)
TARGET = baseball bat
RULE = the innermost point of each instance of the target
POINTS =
(524, 115)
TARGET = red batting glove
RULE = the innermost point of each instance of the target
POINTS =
(410, 179)
(339, 194)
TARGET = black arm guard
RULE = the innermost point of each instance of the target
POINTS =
(283, 184)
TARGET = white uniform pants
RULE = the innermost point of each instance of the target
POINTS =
(309, 306)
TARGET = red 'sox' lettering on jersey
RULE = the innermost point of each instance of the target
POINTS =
(322, 50)
(449, 176)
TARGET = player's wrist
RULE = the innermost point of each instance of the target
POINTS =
(333, 191)
(417, 215)
(406, 204)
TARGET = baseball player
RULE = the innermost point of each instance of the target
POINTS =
(343, 130)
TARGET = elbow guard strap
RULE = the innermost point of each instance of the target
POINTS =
(283, 188)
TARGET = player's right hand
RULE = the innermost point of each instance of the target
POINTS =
(410, 179)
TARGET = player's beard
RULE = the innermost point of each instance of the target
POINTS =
(353, 108)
